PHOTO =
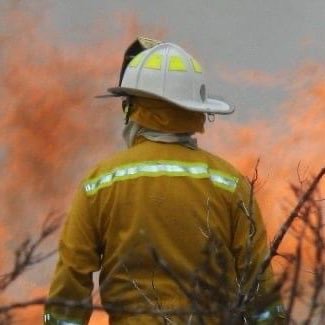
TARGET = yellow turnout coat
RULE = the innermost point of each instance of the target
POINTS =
(167, 228)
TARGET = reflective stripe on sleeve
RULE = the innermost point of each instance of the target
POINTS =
(51, 320)
(162, 168)
(273, 312)
(223, 180)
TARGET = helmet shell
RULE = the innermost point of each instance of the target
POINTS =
(167, 72)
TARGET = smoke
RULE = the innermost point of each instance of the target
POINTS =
(251, 77)
(290, 145)
(48, 115)
(52, 130)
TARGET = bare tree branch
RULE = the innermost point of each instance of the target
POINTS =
(27, 255)
(284, 229)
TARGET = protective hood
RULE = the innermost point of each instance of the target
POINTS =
(165, 117)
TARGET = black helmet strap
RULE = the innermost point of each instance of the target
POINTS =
(127, 108)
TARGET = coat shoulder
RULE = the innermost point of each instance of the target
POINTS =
(217, 162)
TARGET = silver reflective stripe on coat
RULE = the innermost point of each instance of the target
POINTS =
(162, 168)
(273, 312)
(51, 320)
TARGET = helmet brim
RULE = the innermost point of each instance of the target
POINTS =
(210, 105)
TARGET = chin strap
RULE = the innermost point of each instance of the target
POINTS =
(211, 117)
(127, 108)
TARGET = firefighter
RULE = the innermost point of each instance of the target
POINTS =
(165, 223)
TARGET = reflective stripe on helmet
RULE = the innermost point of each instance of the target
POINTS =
(136, 60)
(154, 61)
(196, 66)
(162, 168)
(176, 63)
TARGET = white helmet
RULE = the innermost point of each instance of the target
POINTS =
(167, 72)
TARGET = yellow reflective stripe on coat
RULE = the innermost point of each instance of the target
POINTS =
(162, 168)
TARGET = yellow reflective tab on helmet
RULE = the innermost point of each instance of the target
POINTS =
(136, 60)
(196, 65)
(154, 62)
(176, 63)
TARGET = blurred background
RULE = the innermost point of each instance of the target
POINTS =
(268, 59)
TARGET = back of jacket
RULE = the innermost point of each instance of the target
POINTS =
(167, 227)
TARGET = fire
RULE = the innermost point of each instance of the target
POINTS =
(52, 130)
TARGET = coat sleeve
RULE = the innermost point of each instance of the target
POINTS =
(79, 257)
(250, 247)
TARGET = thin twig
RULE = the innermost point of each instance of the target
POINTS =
(284, 229)
(26, 255)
